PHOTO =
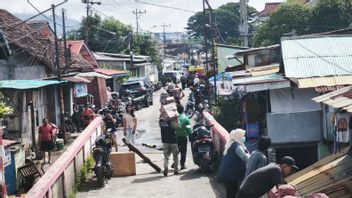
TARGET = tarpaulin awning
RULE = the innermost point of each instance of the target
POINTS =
(221, 76)
(27, 84)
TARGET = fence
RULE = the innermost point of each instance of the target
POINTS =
(220, 134)
(59, 180)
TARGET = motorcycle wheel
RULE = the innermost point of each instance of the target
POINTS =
(204, 166)
(190, 113)
(100, 176)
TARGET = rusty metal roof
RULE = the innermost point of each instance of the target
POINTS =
(331, 175)
(317, 56)
(341, 98)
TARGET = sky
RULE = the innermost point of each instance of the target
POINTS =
(123, 10)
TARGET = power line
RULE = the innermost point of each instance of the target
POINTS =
(164, 6)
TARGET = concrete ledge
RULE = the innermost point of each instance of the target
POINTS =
(56, 171)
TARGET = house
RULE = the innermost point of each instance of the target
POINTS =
(225, 58)
(31, 59)
(276, 107)
(142, 67)
(268, 9)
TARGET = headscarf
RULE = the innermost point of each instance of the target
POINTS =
(235, 136)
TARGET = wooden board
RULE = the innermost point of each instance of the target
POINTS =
(124, 163)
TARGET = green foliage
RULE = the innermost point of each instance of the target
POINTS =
(287, 18)
(112, 36)
(326, 15)
(4, 109)
(227, 20)
(228, 111)
(82, 176)
(329, 15)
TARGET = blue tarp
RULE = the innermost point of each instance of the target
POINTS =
(221, 76)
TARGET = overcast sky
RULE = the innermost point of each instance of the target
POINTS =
(122, 10)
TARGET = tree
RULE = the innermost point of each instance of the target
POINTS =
(330, 15)
(112, 36)
(227, 20)
(288, 18)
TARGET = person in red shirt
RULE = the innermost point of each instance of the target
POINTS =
(87, 115)
(46, 137)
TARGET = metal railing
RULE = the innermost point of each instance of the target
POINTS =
(59, 180)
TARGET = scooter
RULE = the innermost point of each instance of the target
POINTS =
(190, 107)
(101, 154)
(202, 147)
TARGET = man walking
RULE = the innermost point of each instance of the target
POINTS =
(258, 159)
(182, 132)
(168, 138)
(264, 179)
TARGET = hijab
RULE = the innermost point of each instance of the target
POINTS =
(235, 136)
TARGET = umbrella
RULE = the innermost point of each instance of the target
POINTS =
(221, 76)
(195, 68)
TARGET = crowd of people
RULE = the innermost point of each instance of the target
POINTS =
(249, 175)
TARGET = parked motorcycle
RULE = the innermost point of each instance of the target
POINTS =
(101, 154)
(202, 147)
(190, 106)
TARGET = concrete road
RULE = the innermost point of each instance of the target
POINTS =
(147, 183)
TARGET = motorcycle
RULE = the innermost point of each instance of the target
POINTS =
(202, 147)
(101, 154)
(190, 106)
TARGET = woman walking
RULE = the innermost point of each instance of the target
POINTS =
(129, 124)
(233, 164)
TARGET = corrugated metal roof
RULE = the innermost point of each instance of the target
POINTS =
(27, 84)
(259, 79)
(331, 176)
(324, 81)
(264, 70)
(112, 72)
(317, 56)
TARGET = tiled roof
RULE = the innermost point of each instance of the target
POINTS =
(78, 47)
(269, 8)
(112, 72)
(24, 37)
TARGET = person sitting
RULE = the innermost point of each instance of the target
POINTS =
(262, 180)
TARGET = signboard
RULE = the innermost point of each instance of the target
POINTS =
(80, 90)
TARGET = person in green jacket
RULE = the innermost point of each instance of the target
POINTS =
(182, 132)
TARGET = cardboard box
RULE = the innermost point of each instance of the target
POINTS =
(177, 92)
(169, 100)
(124, 163)
(168, 115)
(168, 107)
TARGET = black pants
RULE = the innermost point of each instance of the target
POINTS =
(182, 147)
(231, 188)
(183, 85)
(243, 194)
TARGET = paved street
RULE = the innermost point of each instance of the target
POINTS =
(148, 183)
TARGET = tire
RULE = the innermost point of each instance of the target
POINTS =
(100, 175)
(190, 113)
(146, 103)
(151, 102)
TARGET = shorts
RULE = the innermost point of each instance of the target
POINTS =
(47, 145)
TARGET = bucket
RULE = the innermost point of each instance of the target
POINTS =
(60, 144)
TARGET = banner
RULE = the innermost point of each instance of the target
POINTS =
(80, 90)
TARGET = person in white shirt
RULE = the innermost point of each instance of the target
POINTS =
(129, 124)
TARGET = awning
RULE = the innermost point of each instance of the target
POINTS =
(341, 98)
(324, 81)
(264, 70)
(93, 74)
(112, 72)
(78, 79)
(27, 84)
(221, 76)
(262, 83)
(195, 68)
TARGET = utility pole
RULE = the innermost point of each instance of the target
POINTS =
(164, 26)
(205, 32)
(66, 51)
(57, 62)
(138, 14)
(89, 4)
(244, 23)
(213, 54)
(130, 46)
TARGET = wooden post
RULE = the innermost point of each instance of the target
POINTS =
(146, 159)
